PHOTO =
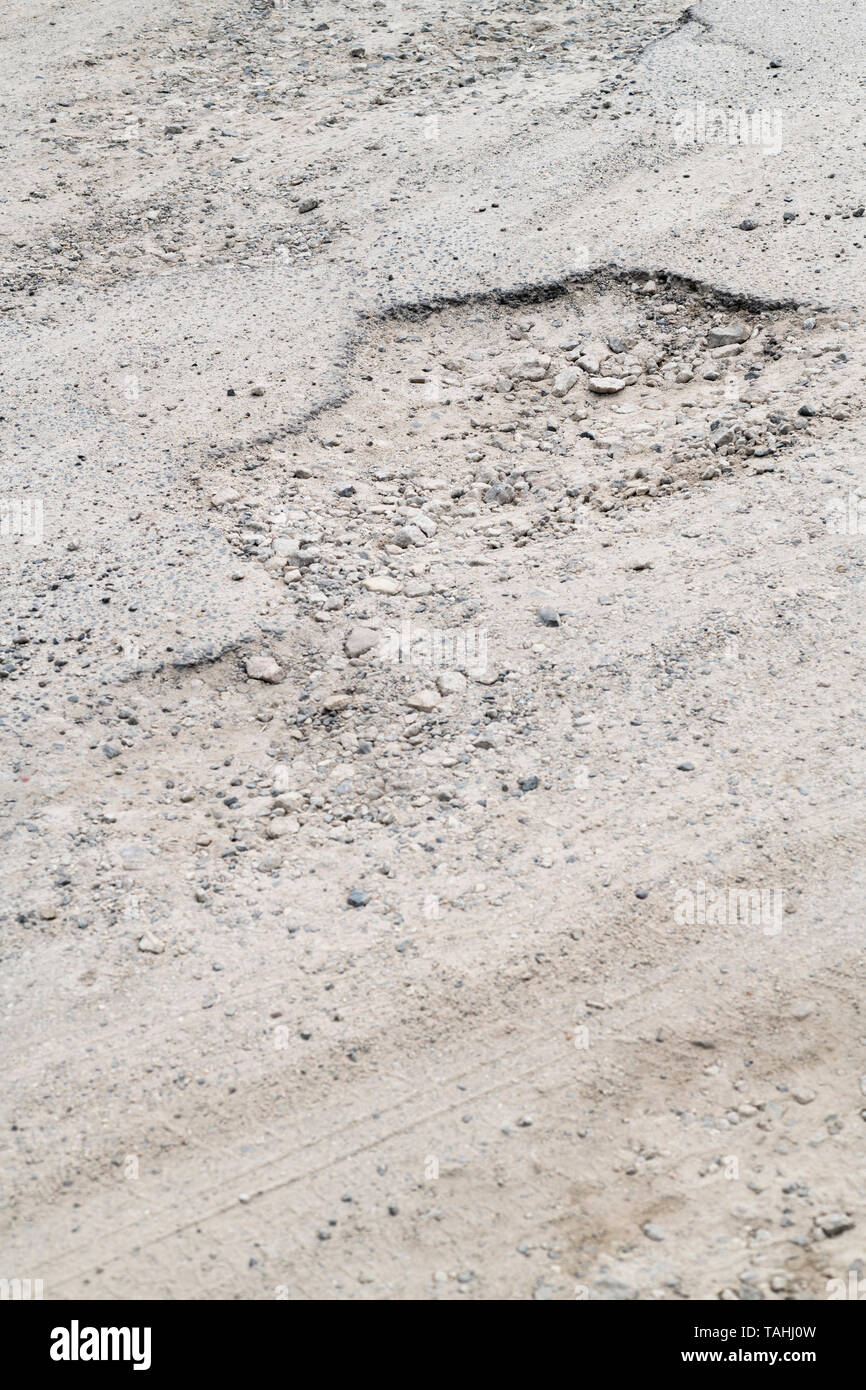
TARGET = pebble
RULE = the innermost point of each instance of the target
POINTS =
(263, 668)
(425, 700)
(725, 334)
(382, 584)
(492, 737)
(834, 1223)
(450, 683)
(360, 640)
(152, 945)
(802, 1009)
(565, 380)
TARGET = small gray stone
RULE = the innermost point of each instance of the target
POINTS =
(450, 683)
(152, 945)
(565, 380)
(382, 584)
(607, 385)
(727, 333)
(834, 1223)
(263, 668)
(359, 641)
(424, 700)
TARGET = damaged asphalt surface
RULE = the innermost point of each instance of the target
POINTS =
(332, 974)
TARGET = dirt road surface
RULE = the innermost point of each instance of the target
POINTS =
(432, 520)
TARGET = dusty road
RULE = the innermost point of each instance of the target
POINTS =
(432, 522)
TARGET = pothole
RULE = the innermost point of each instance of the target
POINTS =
(503, 423)
(457, 548)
